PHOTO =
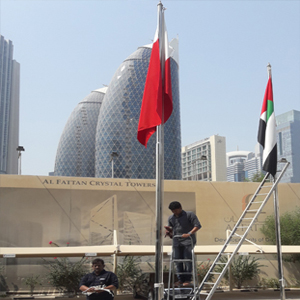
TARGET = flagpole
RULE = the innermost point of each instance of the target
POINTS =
(277, 226)
(158, 285)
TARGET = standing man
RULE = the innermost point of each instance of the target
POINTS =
(185, 224)
(94, 283)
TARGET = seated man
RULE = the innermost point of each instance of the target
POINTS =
(94, 283)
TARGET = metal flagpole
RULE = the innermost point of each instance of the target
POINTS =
(278, 243)
(158, 286)
(277, 228)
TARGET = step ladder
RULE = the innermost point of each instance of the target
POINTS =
(172, 290)
(239, 232)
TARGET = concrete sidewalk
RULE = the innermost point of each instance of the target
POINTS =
(260, 294)
(239, 295)
(235, 295)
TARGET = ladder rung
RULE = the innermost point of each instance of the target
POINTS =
(248, 218)
(215, 273)
(257, 202)
(204, 293)
(220, 263)
(210, 283)
(252, 210)
(263, 194)
(182, 260)
(225, 254)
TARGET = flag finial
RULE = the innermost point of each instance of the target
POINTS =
(269, 67)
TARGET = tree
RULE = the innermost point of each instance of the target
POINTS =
(65, 275)
(242, 268)
(3, 284)
(257, 177)
(289, 230)
(128, 272)
(32, 281)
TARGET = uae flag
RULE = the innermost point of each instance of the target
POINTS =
(267, 131)
(158, 89)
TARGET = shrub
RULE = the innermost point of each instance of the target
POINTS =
(3, 284)
(129, 273)
(65, 275)
(289, 231)
(242, 268)
(202, 269)
(269, 283)
(32, 281)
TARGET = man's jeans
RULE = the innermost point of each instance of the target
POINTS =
(183, 252)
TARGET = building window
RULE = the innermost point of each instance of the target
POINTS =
(280, 143)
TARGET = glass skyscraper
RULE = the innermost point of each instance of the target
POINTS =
(76, 149)
(115, 132)
(288, 143)
(9, 108)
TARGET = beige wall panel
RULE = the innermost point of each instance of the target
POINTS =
(37, 209)
(85, 211)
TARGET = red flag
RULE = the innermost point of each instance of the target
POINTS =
(154, 96)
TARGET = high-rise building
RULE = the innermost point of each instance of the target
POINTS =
(243, 165)
(288, 143)
(9, 108)
(115, 150)
(205, 160)
(75, 154)
(118, 122)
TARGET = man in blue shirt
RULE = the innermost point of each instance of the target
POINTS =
(185, 224)
(94, 283)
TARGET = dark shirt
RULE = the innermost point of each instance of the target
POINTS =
(105, 278)
(184, 223)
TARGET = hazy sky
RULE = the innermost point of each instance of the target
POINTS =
(69, 48)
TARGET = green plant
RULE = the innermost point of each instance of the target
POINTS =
(295, 282)
(289, 231)
(3, 284)
(32, 281)
(242, 268)
(129, 273)
(257, 177)
(269, 283)
(263, 283)
(65, 275)
(202, 269)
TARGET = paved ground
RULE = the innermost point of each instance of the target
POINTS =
(235, 295)
(260, 294)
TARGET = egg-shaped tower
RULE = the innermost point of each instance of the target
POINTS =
(116, 135)
(76, 149)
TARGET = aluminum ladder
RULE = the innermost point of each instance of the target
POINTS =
(240, 231)
(173, 261)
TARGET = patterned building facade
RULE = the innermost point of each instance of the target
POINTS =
(104, 142)
(76, 149)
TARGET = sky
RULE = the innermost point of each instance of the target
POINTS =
(68, 48)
